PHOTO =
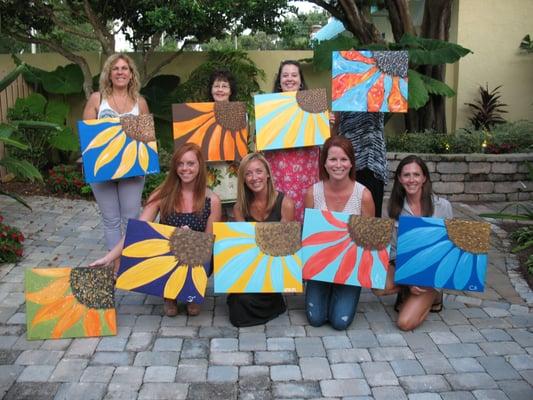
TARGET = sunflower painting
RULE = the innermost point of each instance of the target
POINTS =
(291, 119)
(257, 257)
(219, 128)
(369, 81)
(165, 261)
(442, 253)
(69, 302)
(115, 148)
(346, 249)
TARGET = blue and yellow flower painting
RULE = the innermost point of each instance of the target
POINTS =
(257, 257)
(346, 249)
(291, 119)
(165, 261)
(111, 150)
(442, 253)
(373, 81)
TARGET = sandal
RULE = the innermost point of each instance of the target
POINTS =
(437, 304)
(193, 309)
(170, 308)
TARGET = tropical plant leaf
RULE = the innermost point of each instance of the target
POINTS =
(29, 73)
(57, 112)
(64, 80)
(322, 53)
(37, 125)
(522, 246)
(418, 94)
(6, 130)
(13, 142)
(423, 51)
(15, 197)
(434, 86)
(11, 76)
(65, 140)
(21, 168)
(34, 103)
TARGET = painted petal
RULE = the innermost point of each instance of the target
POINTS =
(111, 319)
(334, 221)
(463, 271)
(353, 55)
(51, 293)
(144, 158)
(68, 320)
(110, 152)
(376, 95)
(199, 278)
(164, 230)
(52, 272)
(365, 269)
(481, 267)
(213, 152)
(152, 145)
(101, 121)
(342, 83)
(145, 272)
(229, 146)
(317, 262)
(263, 109)
(384, 257)
(202, 107)
(289, 280)
(419, 237)
(103, 137)
(323, 237)
(147, 248)
(397, 103)
(240, 141)
(446, 267)
(346, 265)
(182, 128)
(176, 282)
(53, 310)
(129, 156)
(422, 260)
(91, 323)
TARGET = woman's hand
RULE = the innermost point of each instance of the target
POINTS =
(101, 262)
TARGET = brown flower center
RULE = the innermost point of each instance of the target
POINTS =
(470, 236)
(231, 115)
(370, 233)
(139, 127)
(93, 287)
(394, 63)
(191, 247)
(278, 239)
(314, 101)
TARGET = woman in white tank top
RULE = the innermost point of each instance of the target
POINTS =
(336, 191)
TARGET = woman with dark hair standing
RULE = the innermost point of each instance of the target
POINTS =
(337, 190)
(293, 170)
(222, 86)
(412, 195)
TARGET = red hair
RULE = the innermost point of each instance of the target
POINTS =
(345, 145)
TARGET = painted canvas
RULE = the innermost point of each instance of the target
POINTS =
(219, 128)
(442, 253)
(69, 303)
(115, 148)
(346, 249)
(257, 257)
(165, 261)
(291, 119)
(373, 81)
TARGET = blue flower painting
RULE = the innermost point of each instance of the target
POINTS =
(448, 254)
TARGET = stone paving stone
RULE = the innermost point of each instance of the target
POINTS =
(213, 391)
(7, 342)
(195, 348)
(325, 330)
(379, 374)
(481, 323)
(527, 375)
(112, 358)
(255, 395)
(85, 391)
(407, 367)
(139, 341)
(253, 371)
(222, 373)
(391, 354)
(495, 335)
(163, 391)
(274, 357)
(419, 342)
(501, 348)
(69, 370)
(285, 331)
(336, 342)
(471, 381)
(498, 368)
(315, 368)
(474, 312)
(520, 362)
(149, 358)
(280, 344)
(218, 332)
(23, 344)
(391, 339)
(112, 344)
(100, 374)
(192, 370)
(9, 356)
(56, 344)
(453, 317)
(362, 338)
(255, 341)
(467, 334)
(491, 394)
(466, 364)
(309, 347)
(346, 371)
(444, 337)
(424, 383)
(454, 350)
(168, 344)
(147, 323)
(224, 344)
(457, 395)
(424, 396)
(348, 355)
(285, 373)
(434, 363)
(36, 373)
(82, 347)
(522, 337)
(132, 377)
(32, 390)
(252, 383)
(516, 390)
(160, 374)
(388, 393)
(344, 387)
(233, 358)
(39, 357)
(296, 390)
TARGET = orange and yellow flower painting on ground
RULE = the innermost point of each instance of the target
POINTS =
(291, 119)
(115, 148)
(165, 261)
(219, 128)
(69, 302)
(257, 257)
(374, 81)
(346, 249)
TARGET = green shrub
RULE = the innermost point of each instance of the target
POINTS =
(516, 137)
(67, 179)
(10, 243)
(421, 142)
(464, 141)
(151, 182)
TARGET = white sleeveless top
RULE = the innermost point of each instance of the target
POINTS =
(105, 110)
(353, 205)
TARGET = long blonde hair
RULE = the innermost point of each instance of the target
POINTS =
(244, 194)
(170, 191)
(105, 85)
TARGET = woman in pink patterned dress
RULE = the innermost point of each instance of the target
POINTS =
(293, 170)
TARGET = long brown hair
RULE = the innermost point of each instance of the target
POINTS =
(397, 196)
(170, 191)
(105, 85)
(345, 145)
(277, 81)
(244, 194)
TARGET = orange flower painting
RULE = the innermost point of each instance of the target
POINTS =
(219, 128)
(69, 302)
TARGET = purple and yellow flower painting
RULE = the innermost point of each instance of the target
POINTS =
(442, 253)
(165, 261)
(373, 81)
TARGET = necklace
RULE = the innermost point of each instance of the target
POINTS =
(121, 109)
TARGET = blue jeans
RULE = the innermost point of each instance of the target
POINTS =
(331, 302)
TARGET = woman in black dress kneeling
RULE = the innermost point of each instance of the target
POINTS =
(258, 201)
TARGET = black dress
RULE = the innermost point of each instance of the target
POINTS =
(249, 309)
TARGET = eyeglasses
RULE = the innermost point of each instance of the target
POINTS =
(221, 86)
